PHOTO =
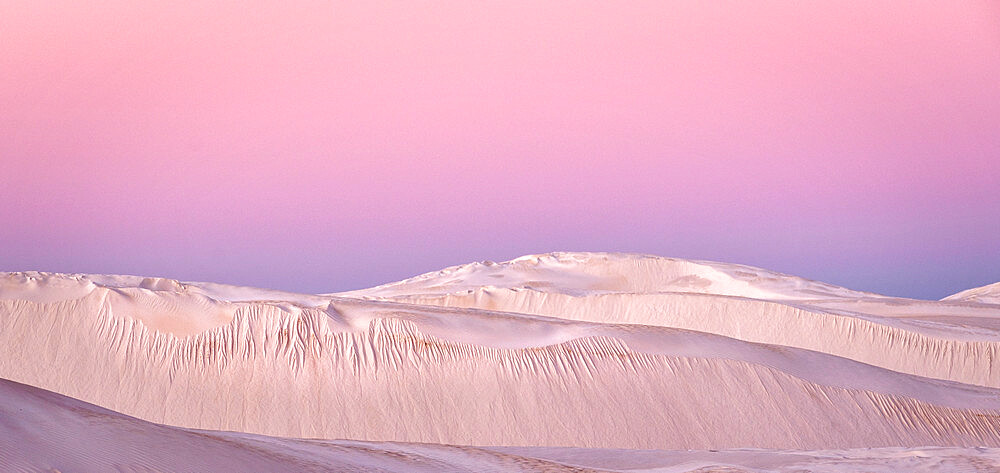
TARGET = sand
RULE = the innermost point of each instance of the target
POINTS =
(571, 351)
(44, 431)
(946, 339)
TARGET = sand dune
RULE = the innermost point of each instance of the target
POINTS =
(44, 431)
(944, 340)
(568, 350)
(378, 370)
(989, 294)
(601, 273)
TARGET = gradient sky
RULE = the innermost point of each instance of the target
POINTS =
(317, 146)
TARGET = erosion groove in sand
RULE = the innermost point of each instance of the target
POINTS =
(936, 353)
(387, 380)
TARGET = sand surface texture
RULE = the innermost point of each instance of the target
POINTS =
(579, 350)
(44, 431)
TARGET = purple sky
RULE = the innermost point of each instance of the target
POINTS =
(323, 147)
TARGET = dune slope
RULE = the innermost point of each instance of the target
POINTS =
(379, 370)
(989, 294)
(943, 340)
(44, 431)
(601, 273)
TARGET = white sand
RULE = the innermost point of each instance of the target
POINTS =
(946, 340)
(989, 294)
(44, 431)
(562, 350)
(598, 273)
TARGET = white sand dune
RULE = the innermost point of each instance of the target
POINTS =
(945, 340)
(39, 286)
(601, 273)
(989, 294)
(603, 351)
(44, 431)
(380, 370)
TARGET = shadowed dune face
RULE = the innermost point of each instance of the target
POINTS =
(44, 431)
(598, 351)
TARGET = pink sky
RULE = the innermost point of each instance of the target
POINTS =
(322, 147)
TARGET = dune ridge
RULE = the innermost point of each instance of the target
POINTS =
(354, 370)
(578, 273)
(925, 338)
(596, 350)
(988, 294)
(940, 351)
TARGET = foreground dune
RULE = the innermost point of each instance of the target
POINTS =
(370, 367)
(44, 431)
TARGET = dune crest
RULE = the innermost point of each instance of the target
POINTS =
(371, 370)
(988, 294)
(37, 421)
(560, 350)
(601, 273)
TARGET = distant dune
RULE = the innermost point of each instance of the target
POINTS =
(602, 273)
(989, 294)
(946, 340)
(594, 350)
